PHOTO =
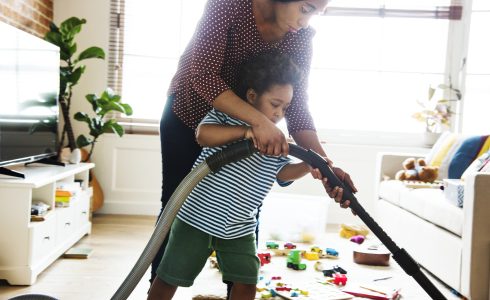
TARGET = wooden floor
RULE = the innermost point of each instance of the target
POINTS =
(118, 241)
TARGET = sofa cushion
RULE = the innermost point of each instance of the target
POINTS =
(390, 190)
(427, 203)
(464, 156)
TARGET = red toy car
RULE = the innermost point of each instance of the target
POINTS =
(289, 246)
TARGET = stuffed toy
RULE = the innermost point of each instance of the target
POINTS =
(417, 170)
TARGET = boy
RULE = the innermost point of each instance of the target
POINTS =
(220, 213)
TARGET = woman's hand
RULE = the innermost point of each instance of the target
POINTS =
(269, 139)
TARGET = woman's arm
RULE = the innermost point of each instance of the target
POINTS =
(212, 135)
(293, 171)
(269, 139)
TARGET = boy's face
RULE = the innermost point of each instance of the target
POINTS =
(274, 102)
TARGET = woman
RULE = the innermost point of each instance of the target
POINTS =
(229, 32)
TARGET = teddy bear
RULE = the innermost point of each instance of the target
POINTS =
(417, 169)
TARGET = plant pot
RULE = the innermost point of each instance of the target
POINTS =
(430, 138)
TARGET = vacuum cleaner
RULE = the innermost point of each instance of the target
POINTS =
(214, 163)
(241, 150)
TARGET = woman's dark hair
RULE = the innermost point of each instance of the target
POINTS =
(265, 70)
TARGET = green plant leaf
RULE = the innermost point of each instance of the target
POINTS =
(72, 49)
(92, 52)
(83, 141)
(76, 74)
(83, 117)
(128, 110)
(54, 38)
(71, 27)
(116, 128)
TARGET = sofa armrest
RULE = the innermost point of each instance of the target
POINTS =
(475, 274)
(387, 163)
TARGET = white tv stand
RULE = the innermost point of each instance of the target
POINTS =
(28, 247)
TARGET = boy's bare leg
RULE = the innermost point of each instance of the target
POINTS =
(160, 290)
(242, 291)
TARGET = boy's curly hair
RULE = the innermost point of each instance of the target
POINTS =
(265, 70)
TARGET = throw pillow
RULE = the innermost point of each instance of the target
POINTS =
(464, 156)
(476, 165)
(437, 146)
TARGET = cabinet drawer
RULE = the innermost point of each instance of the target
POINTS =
(82, 209)
(43, 239)
(65, 224)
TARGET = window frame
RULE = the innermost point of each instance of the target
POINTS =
(457, 36)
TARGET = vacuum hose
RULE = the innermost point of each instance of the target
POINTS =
(234, 153)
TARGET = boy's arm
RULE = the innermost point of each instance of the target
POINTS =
(212, 135)
(292, 172)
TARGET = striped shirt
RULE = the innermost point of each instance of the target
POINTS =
(226, 36)
(225, 204)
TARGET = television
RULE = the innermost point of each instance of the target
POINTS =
(29, 87)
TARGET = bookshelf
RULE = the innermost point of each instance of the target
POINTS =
(27, 247)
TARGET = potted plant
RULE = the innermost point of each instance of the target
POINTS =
(106, 103)
(437, 110)
(71, 70)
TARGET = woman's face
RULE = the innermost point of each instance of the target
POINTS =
(295, 15)
(274, 102)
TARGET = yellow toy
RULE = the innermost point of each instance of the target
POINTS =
(311, 256)
(348, 231)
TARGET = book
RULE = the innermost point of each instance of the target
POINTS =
(78, 252)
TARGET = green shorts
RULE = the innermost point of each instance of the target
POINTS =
(188, 249)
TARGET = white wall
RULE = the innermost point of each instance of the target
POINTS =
(129, 168)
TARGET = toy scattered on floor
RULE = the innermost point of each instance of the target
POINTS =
(334, 270)
(272, 245)
(294, 260)
(316, 249)
(289, 246)
(373, 255)
(280, 252)
(330, 253)
(265, 258)
(348, 230)
(339, 279)
(358, 239)
(417, 170)
(310, 255)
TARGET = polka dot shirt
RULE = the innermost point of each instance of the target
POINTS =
(226, 36)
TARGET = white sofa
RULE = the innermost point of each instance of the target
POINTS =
(450, 242)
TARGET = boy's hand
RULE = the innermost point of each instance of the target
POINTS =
(336, 193)
(249, 135)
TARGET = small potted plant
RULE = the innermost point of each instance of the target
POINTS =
(437, 110)
(99, 124)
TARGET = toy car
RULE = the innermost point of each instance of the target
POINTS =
(339, 279)
(294, 260)
(289, 246)
(272, 245)
(332, 253)
(316, 249)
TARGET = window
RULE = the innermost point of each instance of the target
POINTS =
(372, 59)
(477, 85)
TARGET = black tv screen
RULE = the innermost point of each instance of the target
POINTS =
(29, 84)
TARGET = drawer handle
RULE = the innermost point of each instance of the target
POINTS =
(67, 223)
(47, 238)
(84, 212)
